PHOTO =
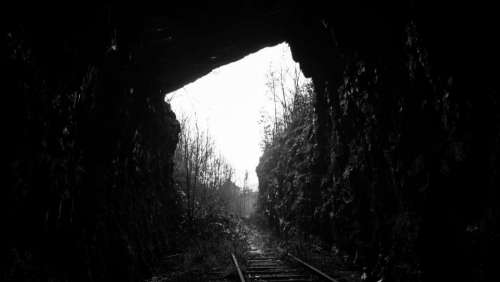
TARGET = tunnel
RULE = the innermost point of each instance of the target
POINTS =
(407, 127)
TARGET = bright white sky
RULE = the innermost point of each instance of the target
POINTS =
(229, 102)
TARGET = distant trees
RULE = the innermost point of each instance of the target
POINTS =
(204, 177)
(291, 95)
(284, 169)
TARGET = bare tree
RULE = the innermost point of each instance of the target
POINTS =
(285, 103)
(201, 171)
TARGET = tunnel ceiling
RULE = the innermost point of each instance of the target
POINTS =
(182, 44)
(174, 44)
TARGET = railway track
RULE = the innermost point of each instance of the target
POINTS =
(264, 262)
(268, 265)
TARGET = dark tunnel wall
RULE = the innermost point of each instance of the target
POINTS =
(405, 176)
(89, 155)
(407, 124)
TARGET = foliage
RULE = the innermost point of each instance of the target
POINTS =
(284, 169)
(207, 250)
(211, 204)
(204, 177)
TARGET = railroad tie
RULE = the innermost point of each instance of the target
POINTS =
(269, 267)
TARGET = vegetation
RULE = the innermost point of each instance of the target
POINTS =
(284, 168)
(211, 207)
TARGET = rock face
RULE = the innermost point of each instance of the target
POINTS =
(407, 135)
(89, 157)
(407, 122)
(404, 169)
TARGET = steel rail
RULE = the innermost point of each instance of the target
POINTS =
(314, 269)
(240, 274)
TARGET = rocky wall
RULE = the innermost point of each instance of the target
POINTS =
(88, 194)
(407, 115)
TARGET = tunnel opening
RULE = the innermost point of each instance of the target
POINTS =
(229, 117)
(397, 173)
